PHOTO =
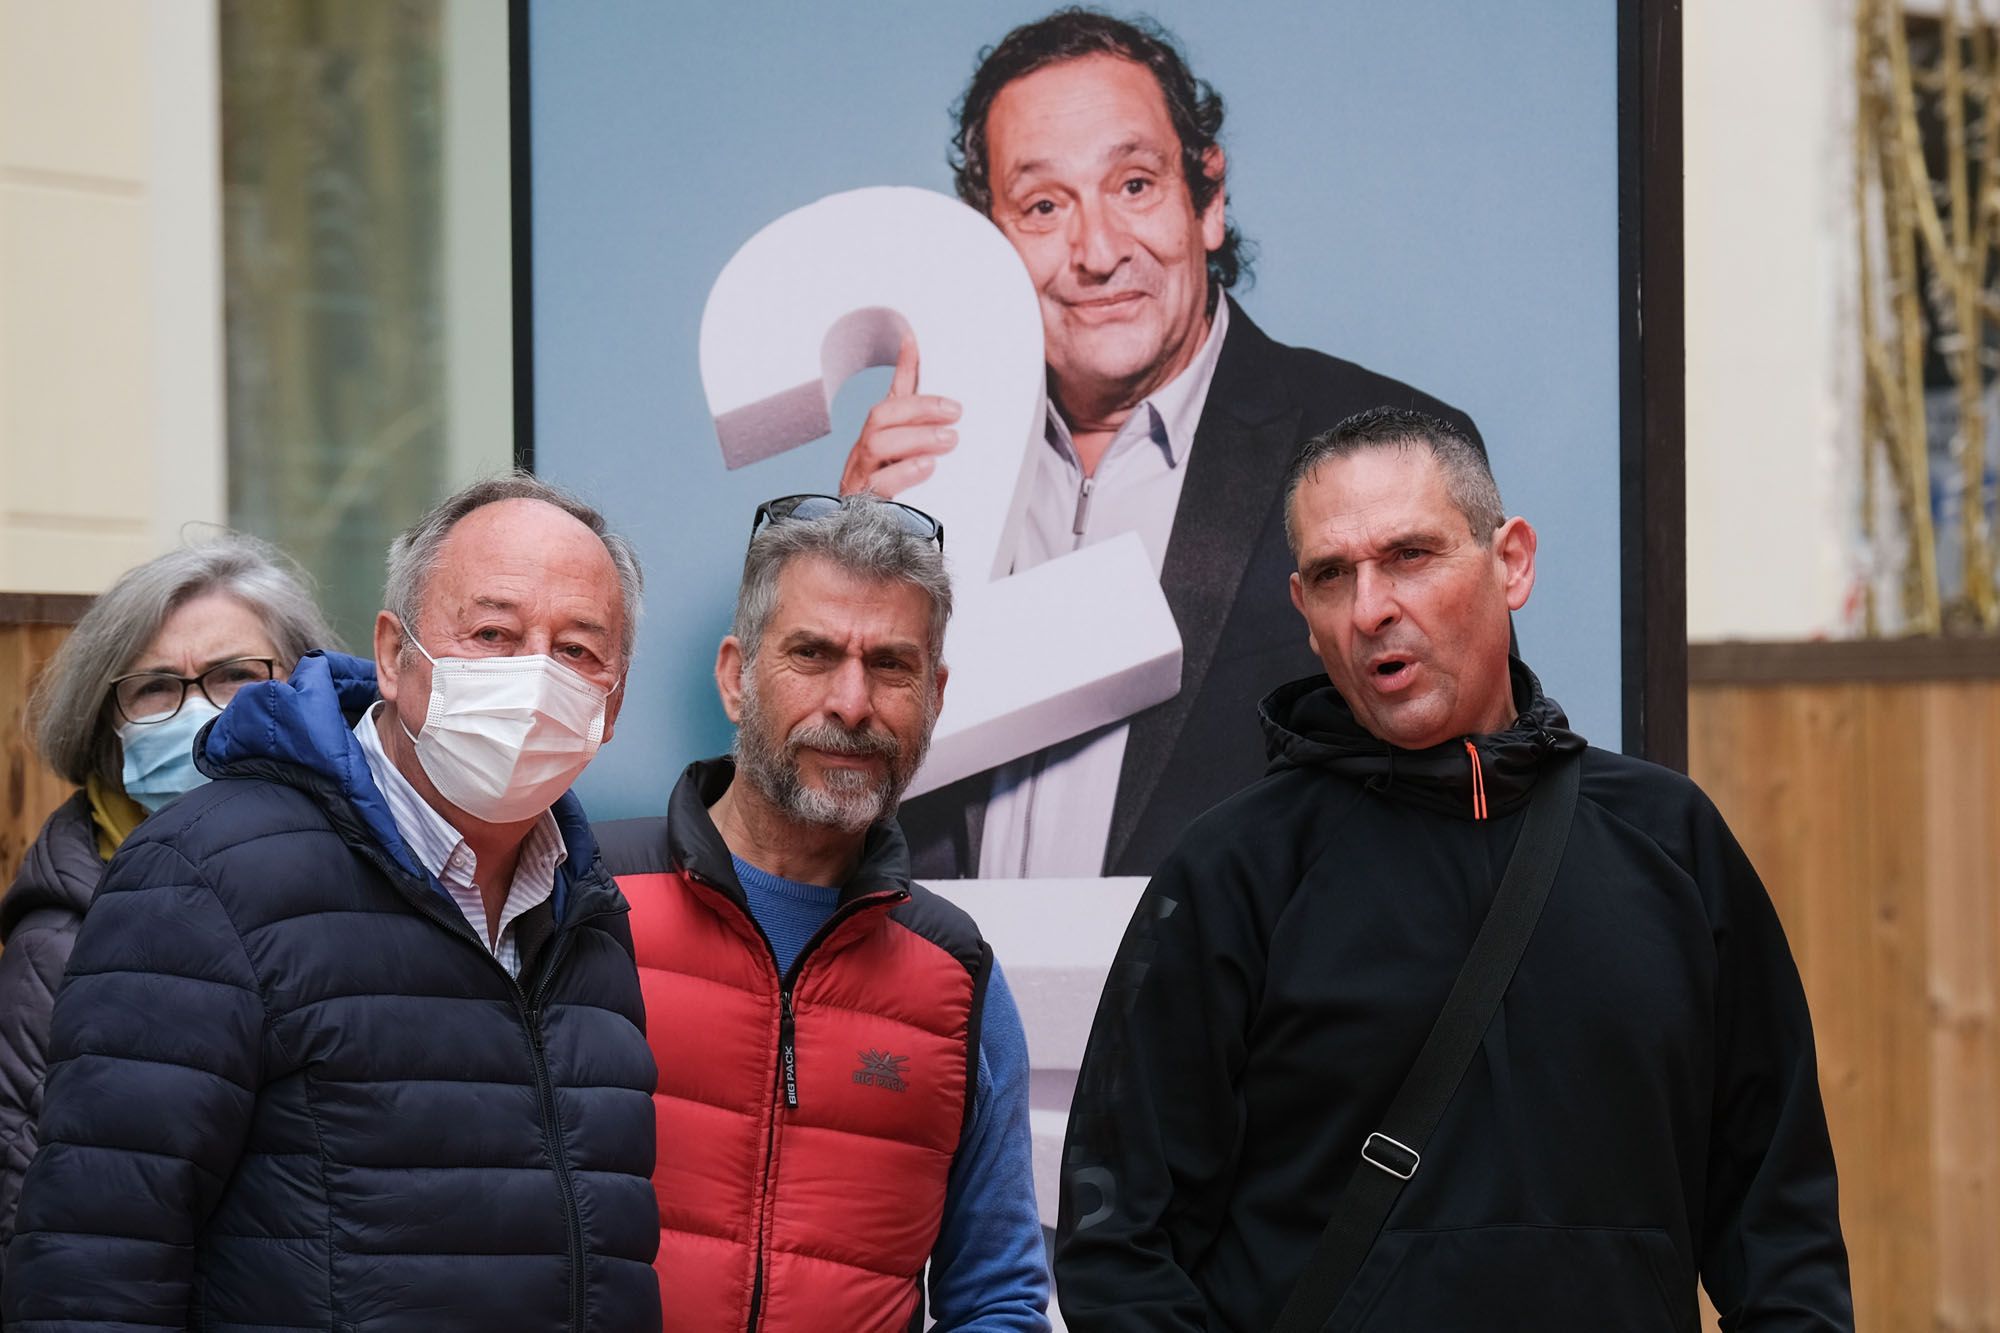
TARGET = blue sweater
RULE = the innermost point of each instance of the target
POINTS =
(988, 1270)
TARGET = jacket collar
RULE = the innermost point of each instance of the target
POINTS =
(696, 847)
(1249, 429)
(61, 868)
(300, 732)
(1308, 725)
(1247, 385)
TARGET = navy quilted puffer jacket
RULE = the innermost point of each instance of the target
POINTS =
(289, 1088)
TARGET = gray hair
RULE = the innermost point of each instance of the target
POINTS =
(862, 538)
(413, 557)
(1468, 478)
(72, 723)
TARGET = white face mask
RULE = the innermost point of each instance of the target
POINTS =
(506, 736)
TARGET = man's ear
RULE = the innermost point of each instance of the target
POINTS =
(1299, 603)
(388, 654)
(1214, 223)
(1514, 545)
(729, 677)
(943, 675)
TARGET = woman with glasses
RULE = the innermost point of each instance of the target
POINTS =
(161, 652)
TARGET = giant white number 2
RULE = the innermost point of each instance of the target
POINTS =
(829, 290)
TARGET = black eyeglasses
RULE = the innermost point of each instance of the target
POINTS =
(146, 697)
(809, 507)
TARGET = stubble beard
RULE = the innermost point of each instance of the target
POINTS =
(852, 800)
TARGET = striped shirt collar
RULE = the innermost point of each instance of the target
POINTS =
(444, 852)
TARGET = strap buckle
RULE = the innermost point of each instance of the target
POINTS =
(1398, 1159)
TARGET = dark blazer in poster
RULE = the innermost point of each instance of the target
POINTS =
(1225, 577)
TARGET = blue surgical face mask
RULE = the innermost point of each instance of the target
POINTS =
(159, 757)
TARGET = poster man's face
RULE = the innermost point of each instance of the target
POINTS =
(1085, 170)
(1406, 610)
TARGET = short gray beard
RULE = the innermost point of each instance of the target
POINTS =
(852, 801)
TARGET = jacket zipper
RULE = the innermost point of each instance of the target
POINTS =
(552, 1128)
(1082, 506)
(531, 1013)
(787, 1082)
(788, 1050)
(788, 1074)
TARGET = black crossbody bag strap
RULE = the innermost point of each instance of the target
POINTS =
(1391, 1155)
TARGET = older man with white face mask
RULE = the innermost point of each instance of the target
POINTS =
(339, 1020)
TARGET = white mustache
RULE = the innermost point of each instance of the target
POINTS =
(833, 738)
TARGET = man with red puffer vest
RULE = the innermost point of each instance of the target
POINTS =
(843, 1094)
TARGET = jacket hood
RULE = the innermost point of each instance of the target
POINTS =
(61, 868)
(694, 844)
(300, 731)
(1308, 725)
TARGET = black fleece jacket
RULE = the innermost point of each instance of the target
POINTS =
(1643, 1110)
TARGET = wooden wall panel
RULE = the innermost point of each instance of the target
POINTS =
(31, 790)
(1962, 732)
(1869, 809)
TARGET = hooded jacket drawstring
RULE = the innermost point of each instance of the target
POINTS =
(1307, 725)
(1478, 781)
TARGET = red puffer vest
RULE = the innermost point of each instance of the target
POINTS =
(806, 1123)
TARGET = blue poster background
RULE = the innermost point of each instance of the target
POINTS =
(1431, 187)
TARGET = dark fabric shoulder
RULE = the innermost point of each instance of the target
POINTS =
(219, 816)
(633, 846)
(1626, 779)
(1326, 388)
(1313, 376)
(945, 924)
(60, 870)
(950, 927)
(614, 914)
(1667, 807)
(1270, 826)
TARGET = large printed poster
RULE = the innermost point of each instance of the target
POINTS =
(1427, 193)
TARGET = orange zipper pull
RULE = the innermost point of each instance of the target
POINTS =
(1478, 781)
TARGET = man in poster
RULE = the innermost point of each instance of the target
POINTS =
(1095, 150)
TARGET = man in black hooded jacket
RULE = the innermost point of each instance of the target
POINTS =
(1644, 1109)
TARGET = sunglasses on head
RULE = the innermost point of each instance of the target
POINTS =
(806, 508)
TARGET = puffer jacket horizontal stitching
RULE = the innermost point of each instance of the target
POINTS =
(111, 1235)
(85, 1055)
(151, 975)
(123, 1151)
(895, 1020)
(848, 1260)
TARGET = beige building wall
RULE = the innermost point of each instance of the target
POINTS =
(111, 429)
(1772, 328)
